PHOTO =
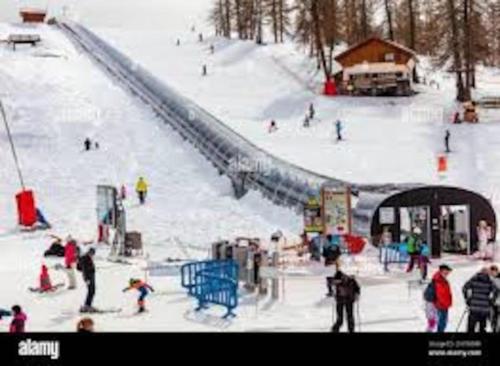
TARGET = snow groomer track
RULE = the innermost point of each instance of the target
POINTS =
(248, 166)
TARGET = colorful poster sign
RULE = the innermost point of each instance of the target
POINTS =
(337, 210)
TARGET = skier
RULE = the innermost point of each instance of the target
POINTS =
(495, 277)
(424, 262)
(85, 325)
(312, 111)
(430, 309)
(456, 118)
(123, 192)
(96, 145)
(480, 294)
(273, 127)
(212, 49)
(200, 37)
(178, 42)
(447, 141)
(87, 144)
(45, 282)
(205, 70)
(70, 260)
(143, 289)
(338, 129)
(307, 122)
(347, 292)
(142, 190)
(443, 299)
(414, 244)
(18, 323)
(87, 267)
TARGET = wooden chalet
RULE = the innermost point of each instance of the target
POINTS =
(376, 67)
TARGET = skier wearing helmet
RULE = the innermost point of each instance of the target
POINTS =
(143, 288)
(414, 243)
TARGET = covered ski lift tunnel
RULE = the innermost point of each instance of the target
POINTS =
(448, 217)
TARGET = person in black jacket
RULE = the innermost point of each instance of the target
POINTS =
(495, 277)
(87, 144)
(87, 267)
(480, 294)
(347, 293)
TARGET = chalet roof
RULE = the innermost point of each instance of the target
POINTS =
(361, 44)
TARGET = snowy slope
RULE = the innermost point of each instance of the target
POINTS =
(248, 86)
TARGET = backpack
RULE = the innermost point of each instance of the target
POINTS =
(414, 245)
(79, 265)
(430, 292)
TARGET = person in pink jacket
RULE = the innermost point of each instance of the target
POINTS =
(18, 324)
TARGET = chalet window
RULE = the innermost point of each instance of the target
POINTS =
(399, 74)
(389, 57)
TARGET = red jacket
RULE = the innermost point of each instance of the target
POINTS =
(444, 298)
(70, 254)
(45, 283)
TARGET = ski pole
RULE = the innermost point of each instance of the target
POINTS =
(359, 315)
(461, 320)
(333, 312)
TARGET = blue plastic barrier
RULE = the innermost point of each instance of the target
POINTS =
(212, 282)
(397, 254)
(393, 254)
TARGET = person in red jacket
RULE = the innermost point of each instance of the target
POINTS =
(45, 282)
(19, 320)
(70, 258)
(443, 296)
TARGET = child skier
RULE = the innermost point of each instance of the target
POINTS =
(431, 315)
(273, 127)
(338, 130)
(142, 190)
(45, 284)
(123, 192)
(87, 144)
(143, 289)
(18, 323)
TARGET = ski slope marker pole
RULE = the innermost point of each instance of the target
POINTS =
(14, 154)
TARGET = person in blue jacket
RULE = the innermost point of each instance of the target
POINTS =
(143, 288)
